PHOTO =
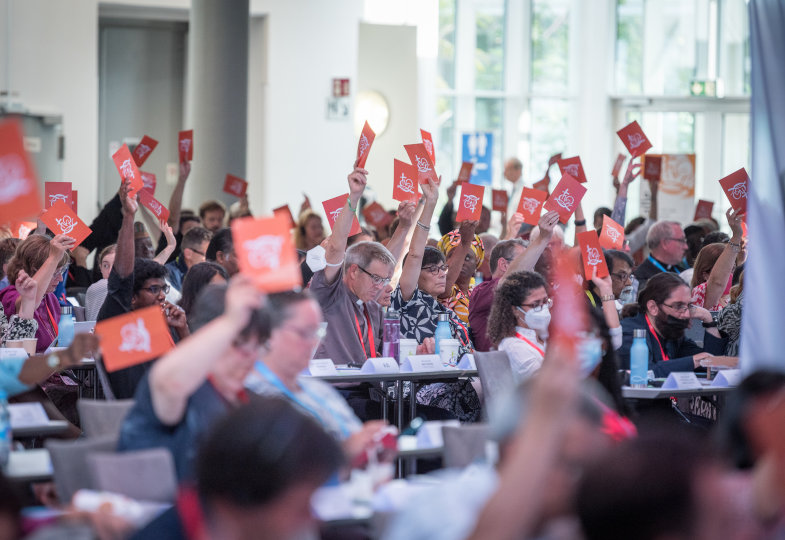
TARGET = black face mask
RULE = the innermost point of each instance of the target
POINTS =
(671, 327)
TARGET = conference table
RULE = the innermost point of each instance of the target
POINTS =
(29, 466)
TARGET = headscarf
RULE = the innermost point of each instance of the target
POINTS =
(453, 239)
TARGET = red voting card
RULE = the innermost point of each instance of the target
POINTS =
(133, 338)
(127, 168)
(364, 145)
(617, 166)
(592, 255)
(286, 212)
(22, 229)
(652, 168)
(265, 252)
(530, 204)
(234, 185)
(158, 209)
(62, 220)
(333, 208)
(376, 215)
(566, 197)
(543, 184)
(405, 184)
(554, 159)
(57, 191)
(74, 201)
(148, 181)
(470, 202)
(419, 157)
(427, 140)
(500, 199)
(465, 173)
(612, 234)
(736, 185)
(185, 145)
(703, 210)
(634, 139)
(573, 167)
(144, 149)
(19, 196)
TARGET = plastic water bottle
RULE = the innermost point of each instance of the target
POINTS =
(639, 360)
(391, 334)
(65, 328)
(443, 330)
(6, 438)
(477, 278)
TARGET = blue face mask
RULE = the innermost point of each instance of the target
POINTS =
(590, 355)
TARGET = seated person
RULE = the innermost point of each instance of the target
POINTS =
(7, 249)
(221, 250)
(198, 381)
(196, 279)
(96, 293)
(21, 325)
(193, 249)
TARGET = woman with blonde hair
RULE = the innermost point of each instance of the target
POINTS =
(309, 231)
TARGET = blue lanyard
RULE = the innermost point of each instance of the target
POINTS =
(656, 263)
(273, 379)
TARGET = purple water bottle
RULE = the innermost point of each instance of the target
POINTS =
(391, 333)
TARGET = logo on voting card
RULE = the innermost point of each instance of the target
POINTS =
(572, 169)
(66, 223)
(334, 215)
(377, 215)
(142, 150)
(428, 146)
(364, 144)
(237, 186)
(264, 251)
(593, 256)
(53, 198)
(470, 202)
(565, 200)
(135, 337)
(156, 207)
(12, 180)
(185, 145)
(147, 180)
(613, 233)
(422, 164)
(127, 170)
(530, 204)
(406, 184)
(738, 191)
(635, 140)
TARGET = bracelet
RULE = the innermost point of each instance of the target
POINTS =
(608, 297)
(712, 324)
(423, 227)
(580, 222)
(736, 247)
(349, 202)
(339, 263)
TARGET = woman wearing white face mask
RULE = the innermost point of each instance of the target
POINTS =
(519, 319)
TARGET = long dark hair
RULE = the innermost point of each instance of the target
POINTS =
(197, 277)
(658, 288)
(510, 294)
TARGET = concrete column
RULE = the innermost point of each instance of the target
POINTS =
(216, 96)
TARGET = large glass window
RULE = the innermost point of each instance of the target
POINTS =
(550, 46)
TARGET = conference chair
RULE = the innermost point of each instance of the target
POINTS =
(463, 445)
(495, 373)
(145, 475)
(69, 463)
(100, 418)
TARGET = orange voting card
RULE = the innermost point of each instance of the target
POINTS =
(555, 158)
(155, 206)
(405, 184)
(427, 140)
(364, 145)
(617, 166)
(22, 229)
(470, 202)
(74, 201)
(143, 150)
(573, 167)
(530, 205)
(566, 197)
(703, 210)
(185, 145)
(592, 255)
(265, 252)
(652, 167)
(19, 197)
(499, 199)
(612, 234)
(333, 208)
(736, 186)
(128, 170)
(376, 215)
(134, 338)
(286, 212)
(62, 220)
(420, 158)
(234, 185)
(148, 181)
(634, 139)
(543, 184)
(57, 191)
(465, 173)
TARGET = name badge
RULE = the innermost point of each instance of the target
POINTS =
(380, 365)
(320, 367)
(682, 380)
(422, 363)
(727, 378)
(467, 362)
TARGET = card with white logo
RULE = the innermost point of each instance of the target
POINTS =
(499, 199)
(57, 191)
(652, 167)
(133, 338)
(427, 140)
(634, 139)
(405, 183)
(566, 197)
(573, 167)
(154, 205)
(62, 220)
(333, 208)
(470, 202)
(421, 160)
(266, 253)
(380, 365)
(530, 205)
(75, 200)
(144, 149)
(422, 363)
(19, 195)
(321, 367)
(682, 380)
(376, 215)
(234, 185)
(591, 254)
(611, 235)
(465, 174)
(703, 209)
(185, 145)
(364, 145)
(148, 181)
(128, 170)
(736, 186)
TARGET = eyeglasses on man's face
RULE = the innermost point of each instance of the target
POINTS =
(680, 240)
(622, 276)
(679, 307)
(377, 280)
(155, 290)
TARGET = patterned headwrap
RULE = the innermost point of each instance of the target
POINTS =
(453, 239)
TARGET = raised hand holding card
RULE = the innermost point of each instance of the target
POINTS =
(155, 206)
(61, 219)
(185, 145)
(499, 199)
(573, 167)
(128, 170)
(612, 234)
(652, 168)
(427, 140)
(364, 145)
(265, 252)
(634, 139)
(57, 191)
(419, 157)
(530, 205)
(554, 159)
(565, 197)
(234, 185)
(736, 186)
(333, 208)
(703, 210)
(134, 338)
(405, 184)
(591, 254)
(144, 149)
(470, 202)
(148, 182)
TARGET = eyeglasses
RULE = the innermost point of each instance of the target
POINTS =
(680, 240)
(156, 289)
(377, 280)
(197, 251)
(539, 305)
(435, 270)
(622, 276)
(679, 307)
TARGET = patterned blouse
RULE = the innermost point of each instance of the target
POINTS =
(699, 298)
(459, 302)
(16, 328)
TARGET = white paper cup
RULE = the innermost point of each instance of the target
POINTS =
(448, 352)
(406, 348)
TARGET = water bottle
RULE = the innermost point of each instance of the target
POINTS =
(443, 330)
(639, 360)
(391, 333)
(6, 438)
(65, 328)
(477, 278)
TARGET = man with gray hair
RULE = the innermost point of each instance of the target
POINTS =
(667, 246)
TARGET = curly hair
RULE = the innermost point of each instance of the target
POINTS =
(145, 269)
(30, 256)
(511, 293)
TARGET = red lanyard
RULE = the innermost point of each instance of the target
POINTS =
(52, 320)
(538, 349)
(191, 515)
(465, 332)
(653, 333)
(370, 333)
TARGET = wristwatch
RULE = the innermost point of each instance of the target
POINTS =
(712, 324)
(607, 297)
(53, 361)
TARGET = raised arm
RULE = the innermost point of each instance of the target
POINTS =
(37, 368)
(580, 222)
(176, 200)
(336, 244)
(179, 373)
(513, 226)
(723, 268)
(124, 257)
(406, 213)
(605, 288)
(411, 268)
(654, 186)
(529, 257)
(57, 247)
(620, 206)
(171, 243)
(458, 254)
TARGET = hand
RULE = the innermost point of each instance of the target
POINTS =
(428, 346)
(451, 189)
(306, 204)
(129, 203)
(185, 171)
(604, 285)
(430, 191)
(175, 316)
(357, 443)
(514, 225)
(697, 312)
(720, 361)
(244, 204)
(698, 359)
(546, 224)
(633, 171)
(406, 211)
(357, 182)
(734, 221)
(616, 183)
(83, 346)
(466, 230)
(25, 286)
(59, 244)
(168, 234)
(242, 298)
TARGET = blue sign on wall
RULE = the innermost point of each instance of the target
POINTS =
(478, 148)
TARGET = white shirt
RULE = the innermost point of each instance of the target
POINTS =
(525, 360)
